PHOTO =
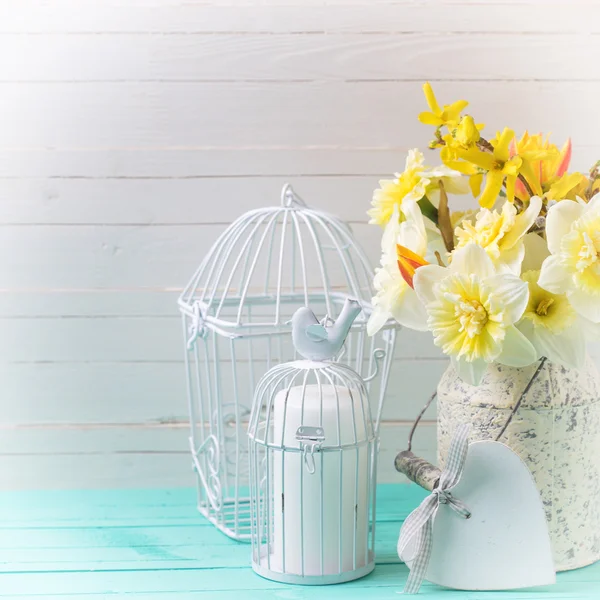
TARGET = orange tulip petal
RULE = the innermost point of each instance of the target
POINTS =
(408, 263)
(532, 180)
(564, 159)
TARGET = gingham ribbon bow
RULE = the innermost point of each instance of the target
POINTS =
(419, 523)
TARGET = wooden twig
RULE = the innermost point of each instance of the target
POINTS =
(418, 470)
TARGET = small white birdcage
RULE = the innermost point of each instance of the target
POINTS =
(235, 313)
(313, 455)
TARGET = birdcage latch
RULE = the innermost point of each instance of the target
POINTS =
(310, 439)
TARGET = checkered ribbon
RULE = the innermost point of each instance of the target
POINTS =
(419, 524)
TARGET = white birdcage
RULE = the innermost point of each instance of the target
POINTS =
(235, 313)
(313, 455)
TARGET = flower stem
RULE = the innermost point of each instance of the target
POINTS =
(439, 259)
(444, 222)
(594, 175)
(526, 185)
(485, 145)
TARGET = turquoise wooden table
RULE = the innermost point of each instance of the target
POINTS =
(151, 544)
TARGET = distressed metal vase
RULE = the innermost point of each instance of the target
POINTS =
(556, 432)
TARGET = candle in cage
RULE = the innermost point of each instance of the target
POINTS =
(320, 521)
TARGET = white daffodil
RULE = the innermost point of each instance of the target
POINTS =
(552, 325)
(395, 298)
(453, 181)
(536, 252)
(573, 268)
(472, 310)
(500, 234)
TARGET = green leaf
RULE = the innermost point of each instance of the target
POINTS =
(428, 209)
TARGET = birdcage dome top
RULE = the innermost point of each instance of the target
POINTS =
(272, 260)
(311, 388)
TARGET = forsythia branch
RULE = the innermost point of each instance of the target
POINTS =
(485, 145)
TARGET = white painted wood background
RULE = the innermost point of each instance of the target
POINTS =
(134, 130)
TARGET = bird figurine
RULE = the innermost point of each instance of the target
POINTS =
(316, 340)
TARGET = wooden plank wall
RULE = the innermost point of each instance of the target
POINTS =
(132, 132)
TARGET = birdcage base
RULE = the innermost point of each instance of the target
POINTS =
(233, 523)
(263, 570)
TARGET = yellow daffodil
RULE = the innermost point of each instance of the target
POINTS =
(417, 180)
(545, 309)
(472, 310)
(552, 325)
(539, 157)
(567, 187)
(395, 298)
(500, 167)
(458, 216)
(573, 267)
(500, 233)
(545, 169)
(410, 184)
(449, 115)
(546, 159)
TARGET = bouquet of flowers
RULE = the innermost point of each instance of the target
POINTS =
(514, 281)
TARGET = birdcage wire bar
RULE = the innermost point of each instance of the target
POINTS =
(347, 456)
(235, 318)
